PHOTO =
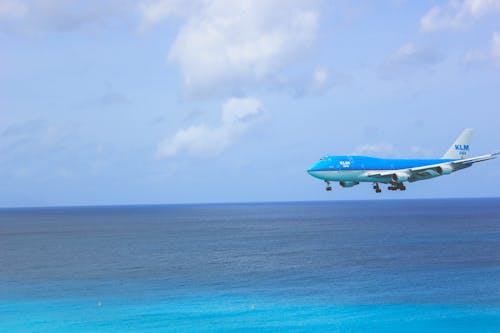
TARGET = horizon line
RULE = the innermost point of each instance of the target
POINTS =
(77, 206)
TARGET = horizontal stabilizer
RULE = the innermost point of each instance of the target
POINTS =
(477, 159)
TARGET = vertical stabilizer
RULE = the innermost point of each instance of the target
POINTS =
(461, 147)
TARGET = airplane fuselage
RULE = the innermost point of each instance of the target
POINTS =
(359, 168)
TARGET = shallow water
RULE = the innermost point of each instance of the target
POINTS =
(378, 266)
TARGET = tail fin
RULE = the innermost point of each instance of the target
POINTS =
(461, 147)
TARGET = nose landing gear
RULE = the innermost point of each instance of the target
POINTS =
(328, 186)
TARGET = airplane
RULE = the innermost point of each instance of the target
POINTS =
(352, 170)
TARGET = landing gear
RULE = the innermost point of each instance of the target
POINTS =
(396, 186)
(328, 186)
(376, 188)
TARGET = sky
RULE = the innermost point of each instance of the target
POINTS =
(107, 102)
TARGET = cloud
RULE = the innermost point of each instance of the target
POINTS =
(320, 77)
(407, 59)
(154, 12)
(320, 81)
(40, 149)
(377, 149)
(39, 16)
(12, 10)
(495, 50)
(32, 133)
(485, 56)
(238, 116)
(107, 100)
(417, 151)
(457, 15)
(26, 145)
(384, 149)
(225, 47)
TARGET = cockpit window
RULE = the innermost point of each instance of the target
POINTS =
(323, 158)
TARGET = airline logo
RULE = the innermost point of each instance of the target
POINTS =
(462, 147)
(462, 150)
(345, 164)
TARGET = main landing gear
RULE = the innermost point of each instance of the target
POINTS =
(328, 186)
(396, 186)
(376, 188)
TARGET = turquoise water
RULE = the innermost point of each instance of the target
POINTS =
(235, 314)
(396, 266)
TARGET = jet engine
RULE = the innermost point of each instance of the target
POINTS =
(348, 183)
(444, 169)
(400, 177)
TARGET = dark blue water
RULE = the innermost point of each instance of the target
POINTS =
(365, 266)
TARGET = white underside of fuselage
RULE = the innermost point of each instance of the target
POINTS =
(350, 175)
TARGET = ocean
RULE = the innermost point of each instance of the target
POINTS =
(345, 266)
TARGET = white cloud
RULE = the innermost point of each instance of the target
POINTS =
(227, 46)
(457, 15)
(495, 49)
(153, 12)
(378, 149)
(39, 16)
(320, 77)
(109, 99)
(319, 81)
(239, 111)
(384, 149)
(409, 53)
(417, 151)
(12, 10)
(407, 59)
(475, 56)
(41, 149)
(485, 56)
(237, 116)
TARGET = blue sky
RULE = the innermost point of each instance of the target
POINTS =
(169, 101)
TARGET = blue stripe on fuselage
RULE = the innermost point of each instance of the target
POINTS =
(370, 163)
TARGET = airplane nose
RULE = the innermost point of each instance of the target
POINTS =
(311, 169)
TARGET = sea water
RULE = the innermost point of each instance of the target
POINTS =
(356, 266)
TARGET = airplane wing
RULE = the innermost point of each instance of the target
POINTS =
(430, 171)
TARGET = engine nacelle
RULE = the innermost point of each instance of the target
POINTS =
(400, 177)
(444, 169)
(348, 183)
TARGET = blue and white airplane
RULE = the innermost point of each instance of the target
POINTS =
(352, 170)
